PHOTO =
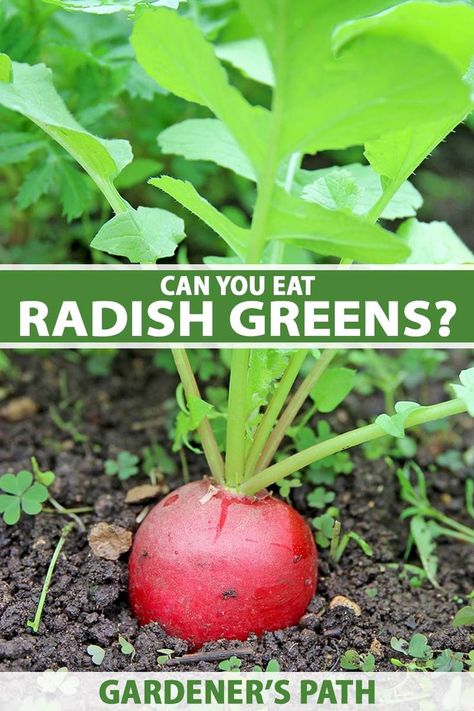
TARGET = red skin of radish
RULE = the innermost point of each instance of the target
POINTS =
(223, 567)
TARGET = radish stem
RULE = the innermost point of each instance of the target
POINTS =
(302, 459)
(236, 423)
(273, 410)
(209, 444)
(292, 409)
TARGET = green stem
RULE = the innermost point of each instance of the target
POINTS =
(236, 422)
(34, 624)
(209, 444)
(69, 512)
(306, 386)
(278, 249)
(273, 410)
(453, 533)
(292, 409)
(298, 461)
(237, 404)
(451, 523)
(77, 510)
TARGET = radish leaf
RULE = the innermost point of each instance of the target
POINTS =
(206, 139)
(187, 195)
(433, 243)
(142, 235)
(332, 388)
(331, 232)
(175, 54)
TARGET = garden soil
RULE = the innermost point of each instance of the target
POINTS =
(87, 601)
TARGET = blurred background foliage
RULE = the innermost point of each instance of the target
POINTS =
(50, 210)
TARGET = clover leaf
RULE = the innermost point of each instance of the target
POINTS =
(324, 526)
(465, 391)
(395, 425)
(125, 466)
(232, 664)
(285, 486)
(21, 494)
(319, 497)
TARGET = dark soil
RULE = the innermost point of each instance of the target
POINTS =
(87, 602)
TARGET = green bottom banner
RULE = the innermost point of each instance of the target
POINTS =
(69, 691)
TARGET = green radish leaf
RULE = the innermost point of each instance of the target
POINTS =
(250, 56)
(173, 51)
(465, 391)
(137, 172)
(332, 388)
(395, 156)
(433, 243)
(32, 94)
(365, 91)
(405, 203)
(337, 190)
(206, 139)
(433, 24)
(185, 193)
(143, 235)
(188, 420)
(395, 425)
(107, 7)
(464, 617)
(5, 68)
(331, 232)
(265, 369)
(198, 410)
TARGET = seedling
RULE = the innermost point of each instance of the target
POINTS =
(126, 647)
(272, 667)
(125, 466)
(35, 623)
(426, 522)
(232, 664)
(419, 656)
(464, 617)
(164, 655)
(329, 535)
(340, 75)
(156, 462)
(285, 486)
(96, 654)
(352, 661)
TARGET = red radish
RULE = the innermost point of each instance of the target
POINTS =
(207, 567)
